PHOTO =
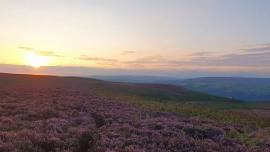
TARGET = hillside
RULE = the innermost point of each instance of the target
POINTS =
(45, 113)
(131, 78)
(159, 92)
(248, 89)
(245, 89)
(156, 92)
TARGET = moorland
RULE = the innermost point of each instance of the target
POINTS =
(49, 113)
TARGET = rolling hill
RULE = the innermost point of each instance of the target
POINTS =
(247, 89)
(49, 113)
(156, 92)
(131, 78)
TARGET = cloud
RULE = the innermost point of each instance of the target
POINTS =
(147, 60)
(260, 48)
(203, 60)
(39, 52)
(203, 55)
(98, 59)
(243, 60)
(237, 61)
(247, 59)
(48, 53)
(127, 52)
(25, 48)
(155, 61)
(199, 54)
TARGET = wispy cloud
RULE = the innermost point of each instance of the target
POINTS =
(147, 60)
(127, 52)
(39, 52)
(247, 59)
(242, 60)
(203, 61)
(97, 59)
(260, 48)
(25, 48)
(200, 54)
(155, 61)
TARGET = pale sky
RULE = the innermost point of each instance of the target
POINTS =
(170, 35)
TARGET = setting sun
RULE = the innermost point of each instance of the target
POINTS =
(35, 60)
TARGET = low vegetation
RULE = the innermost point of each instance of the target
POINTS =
(40, 113)
(251, 117)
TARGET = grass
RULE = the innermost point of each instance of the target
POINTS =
(162, 98)
(222, 112)
(243, 137)
(189, 105)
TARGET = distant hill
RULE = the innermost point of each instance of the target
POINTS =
(140, 91)
(50, 113)
(248, 89)
(160, 92)
(133, 79)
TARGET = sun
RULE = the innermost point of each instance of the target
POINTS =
(35, 60)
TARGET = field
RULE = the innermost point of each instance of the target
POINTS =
(44, 113)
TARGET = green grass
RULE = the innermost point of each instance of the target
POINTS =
(244, 138)
(188, 104)
(222, 112)
(176, 100)
(196, 109)
(192, 104)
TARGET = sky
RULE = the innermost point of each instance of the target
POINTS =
(165, 36)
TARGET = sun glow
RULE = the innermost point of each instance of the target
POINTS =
(35, 60)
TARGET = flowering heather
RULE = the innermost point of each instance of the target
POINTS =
(49, 114)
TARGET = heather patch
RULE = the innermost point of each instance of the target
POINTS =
(71, 116)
